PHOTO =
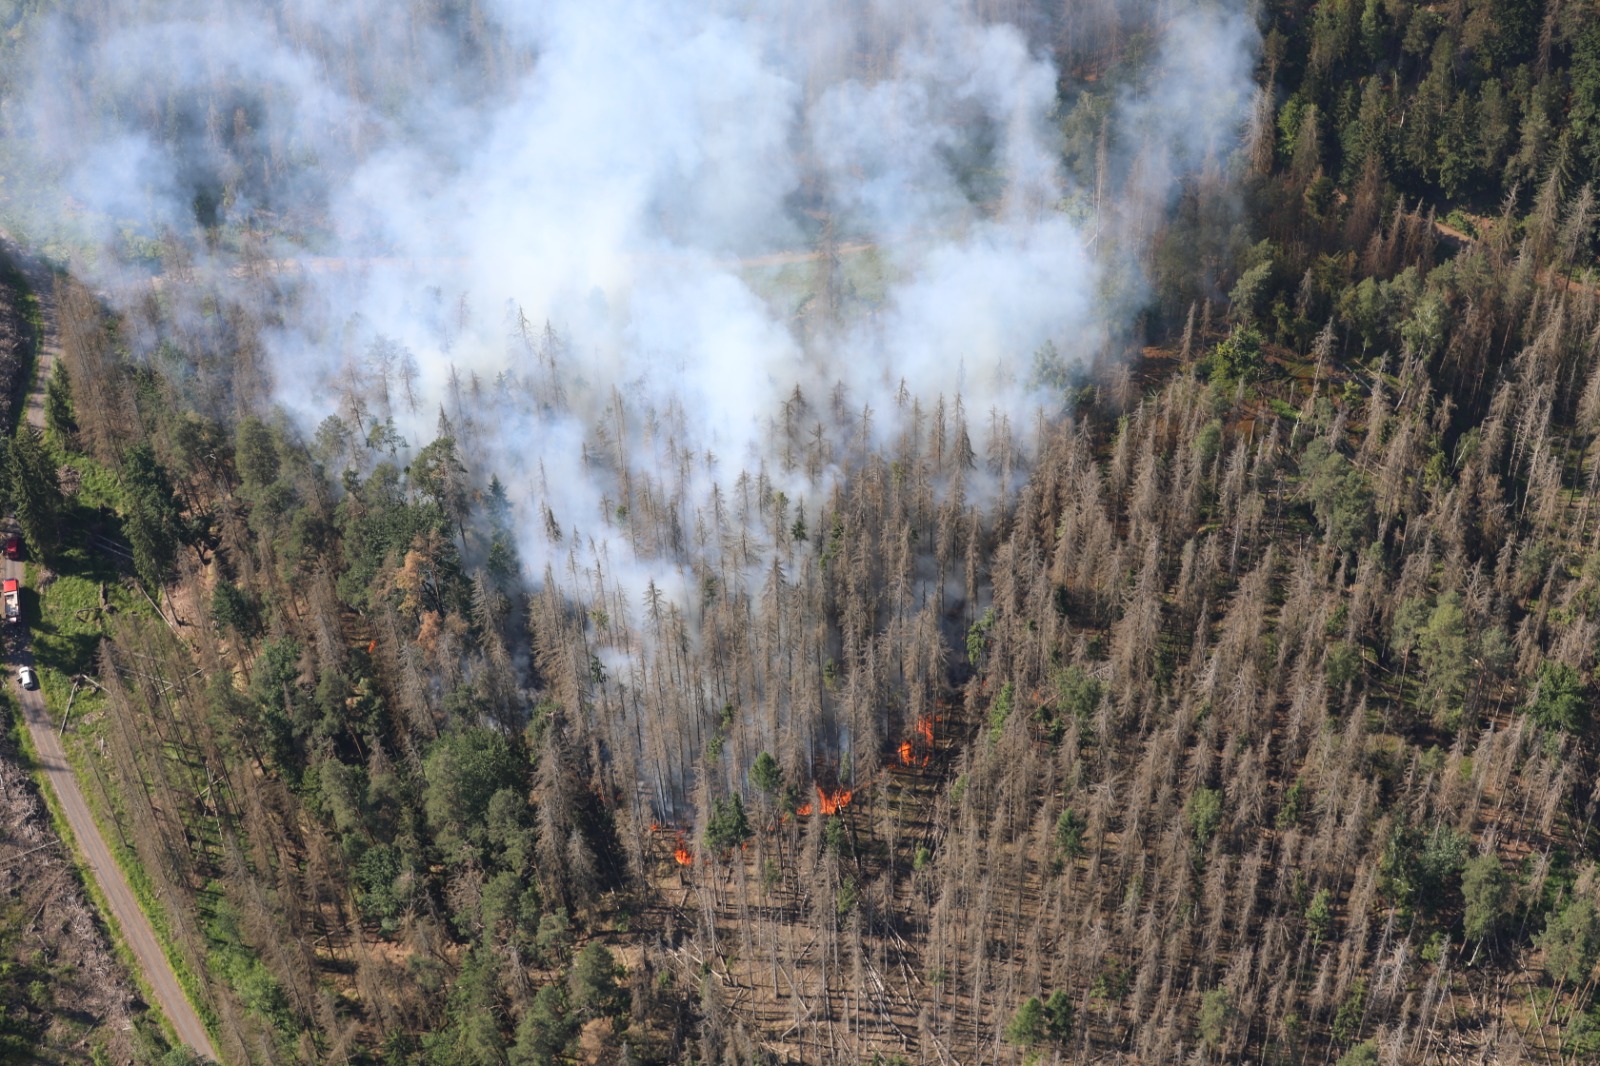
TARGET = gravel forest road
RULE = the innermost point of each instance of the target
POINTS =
(137, 932)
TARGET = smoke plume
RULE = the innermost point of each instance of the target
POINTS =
(613, 240)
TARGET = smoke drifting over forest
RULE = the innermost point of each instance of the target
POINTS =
(669, 271)
(636, 533)
(604, 168)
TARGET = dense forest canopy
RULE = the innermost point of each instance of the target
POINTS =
(1004, 532)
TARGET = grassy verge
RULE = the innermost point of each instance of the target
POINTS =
(65, 622)
(193, 985)
(66, 627)
(64, 619)
(29, 754)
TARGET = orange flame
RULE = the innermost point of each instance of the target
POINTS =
(803, 810)
(833, 802)
(684, 856)
(910, 755)
(372, 647)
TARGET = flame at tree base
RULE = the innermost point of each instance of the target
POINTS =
(910, 756)
(918, 751)
(827, 802)
(680, 843)
(833, 802)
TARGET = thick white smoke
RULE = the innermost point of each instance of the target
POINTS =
(616, 167)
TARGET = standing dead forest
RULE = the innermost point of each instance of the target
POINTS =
(1236, 705)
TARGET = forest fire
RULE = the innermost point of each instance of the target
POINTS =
(918, 751)
(833, 802)
(680, 843)
(854, 424)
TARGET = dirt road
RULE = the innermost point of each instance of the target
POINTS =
(136, 929)
(324, 264)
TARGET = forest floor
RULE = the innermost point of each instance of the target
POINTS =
(814, 980)
(791, 958)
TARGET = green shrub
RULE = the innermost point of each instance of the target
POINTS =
(728, 826)
(1238, 358)
(1205, 814)
(1560, 699)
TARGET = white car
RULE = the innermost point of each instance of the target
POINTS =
(27, 678)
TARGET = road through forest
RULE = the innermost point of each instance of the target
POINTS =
(137, 932)
(114, 888)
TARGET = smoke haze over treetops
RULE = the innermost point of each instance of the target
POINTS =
(639, 175)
